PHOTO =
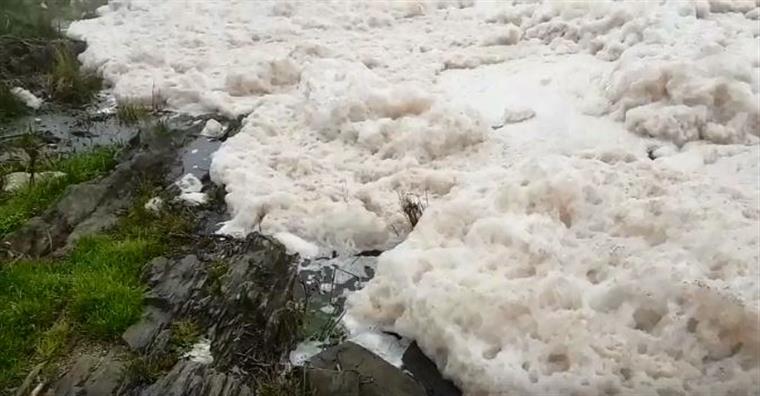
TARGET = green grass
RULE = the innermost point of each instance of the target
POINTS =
(69, 83)
(31, 200)
(27, 19)
(94, 293)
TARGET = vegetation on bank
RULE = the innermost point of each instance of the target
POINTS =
(32, 199)
(36, 56)
(69, 83)
(92, 294)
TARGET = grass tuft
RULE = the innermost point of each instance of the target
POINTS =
(413, 207)
(68, 83)
(130, 113)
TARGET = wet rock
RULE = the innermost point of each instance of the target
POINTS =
(426, 373)
(376, 376)
(189, 378)
(140, 335)
(258, 311)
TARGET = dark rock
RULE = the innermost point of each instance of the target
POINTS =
(334, 383)
(71, 382)
(140, 335)
(426, 373)
(174, 284)
(91, 375)
(189, 378)
(377, 377)
(106, 379)
(256, 317)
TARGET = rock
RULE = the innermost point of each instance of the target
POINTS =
(174, 284)
(140, 335)
(753, 14)
(90, 375)
(377, 377)
(213, 129)
(103, 218)
(334, 383)
(15, 180)
(262, 275)
(426, 373)
(35, 238)
(188, 378)
(71, 382)
(106, 378)
(80, 200)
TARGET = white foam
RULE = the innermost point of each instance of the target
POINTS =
(27, 97)
(200, 352)
(554, 255)
(190, 190)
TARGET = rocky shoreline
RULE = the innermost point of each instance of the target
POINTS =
(246, 297)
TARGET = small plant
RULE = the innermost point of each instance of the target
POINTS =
(130, 113)
(184, 334)
(412, 207)
(157, 101)
(216, 271)
(29, 149)
(141, 370)
(68, 83)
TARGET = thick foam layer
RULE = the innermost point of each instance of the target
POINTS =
(603, 245)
